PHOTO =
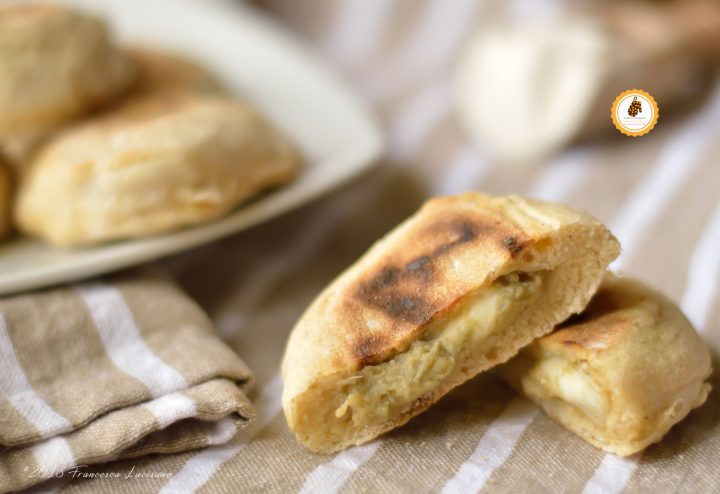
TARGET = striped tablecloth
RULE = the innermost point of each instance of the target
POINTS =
(659, 194)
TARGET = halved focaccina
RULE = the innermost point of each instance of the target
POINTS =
(457, 288)
(622, 373)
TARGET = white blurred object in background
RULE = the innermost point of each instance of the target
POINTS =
(524, 90)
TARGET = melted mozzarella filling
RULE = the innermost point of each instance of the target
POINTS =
(558, 378)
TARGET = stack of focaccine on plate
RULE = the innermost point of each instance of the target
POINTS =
(472, 283)
(99, 143)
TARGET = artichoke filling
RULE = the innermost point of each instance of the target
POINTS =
(378, 392)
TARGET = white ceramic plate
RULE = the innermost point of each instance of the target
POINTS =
(255, 59)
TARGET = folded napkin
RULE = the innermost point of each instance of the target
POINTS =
(114, 369)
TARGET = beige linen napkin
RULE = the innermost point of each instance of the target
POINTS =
(114, 369)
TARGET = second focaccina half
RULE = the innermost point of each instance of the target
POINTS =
(622, 374)
(459, 287)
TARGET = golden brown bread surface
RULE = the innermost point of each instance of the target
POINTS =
(159, 72)
(19, 150)
(622, 373)
(418, 294)
(5, 199)
(148, 166)
(56, 63)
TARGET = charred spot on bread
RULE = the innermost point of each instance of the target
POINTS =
(421, 268)
(513, 245)
(366, 348)
(396, 289)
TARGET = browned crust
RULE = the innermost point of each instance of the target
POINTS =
(407, 286)
(595, 334)
(604, 323)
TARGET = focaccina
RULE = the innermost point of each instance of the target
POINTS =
(457, 288)
(622, 373)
